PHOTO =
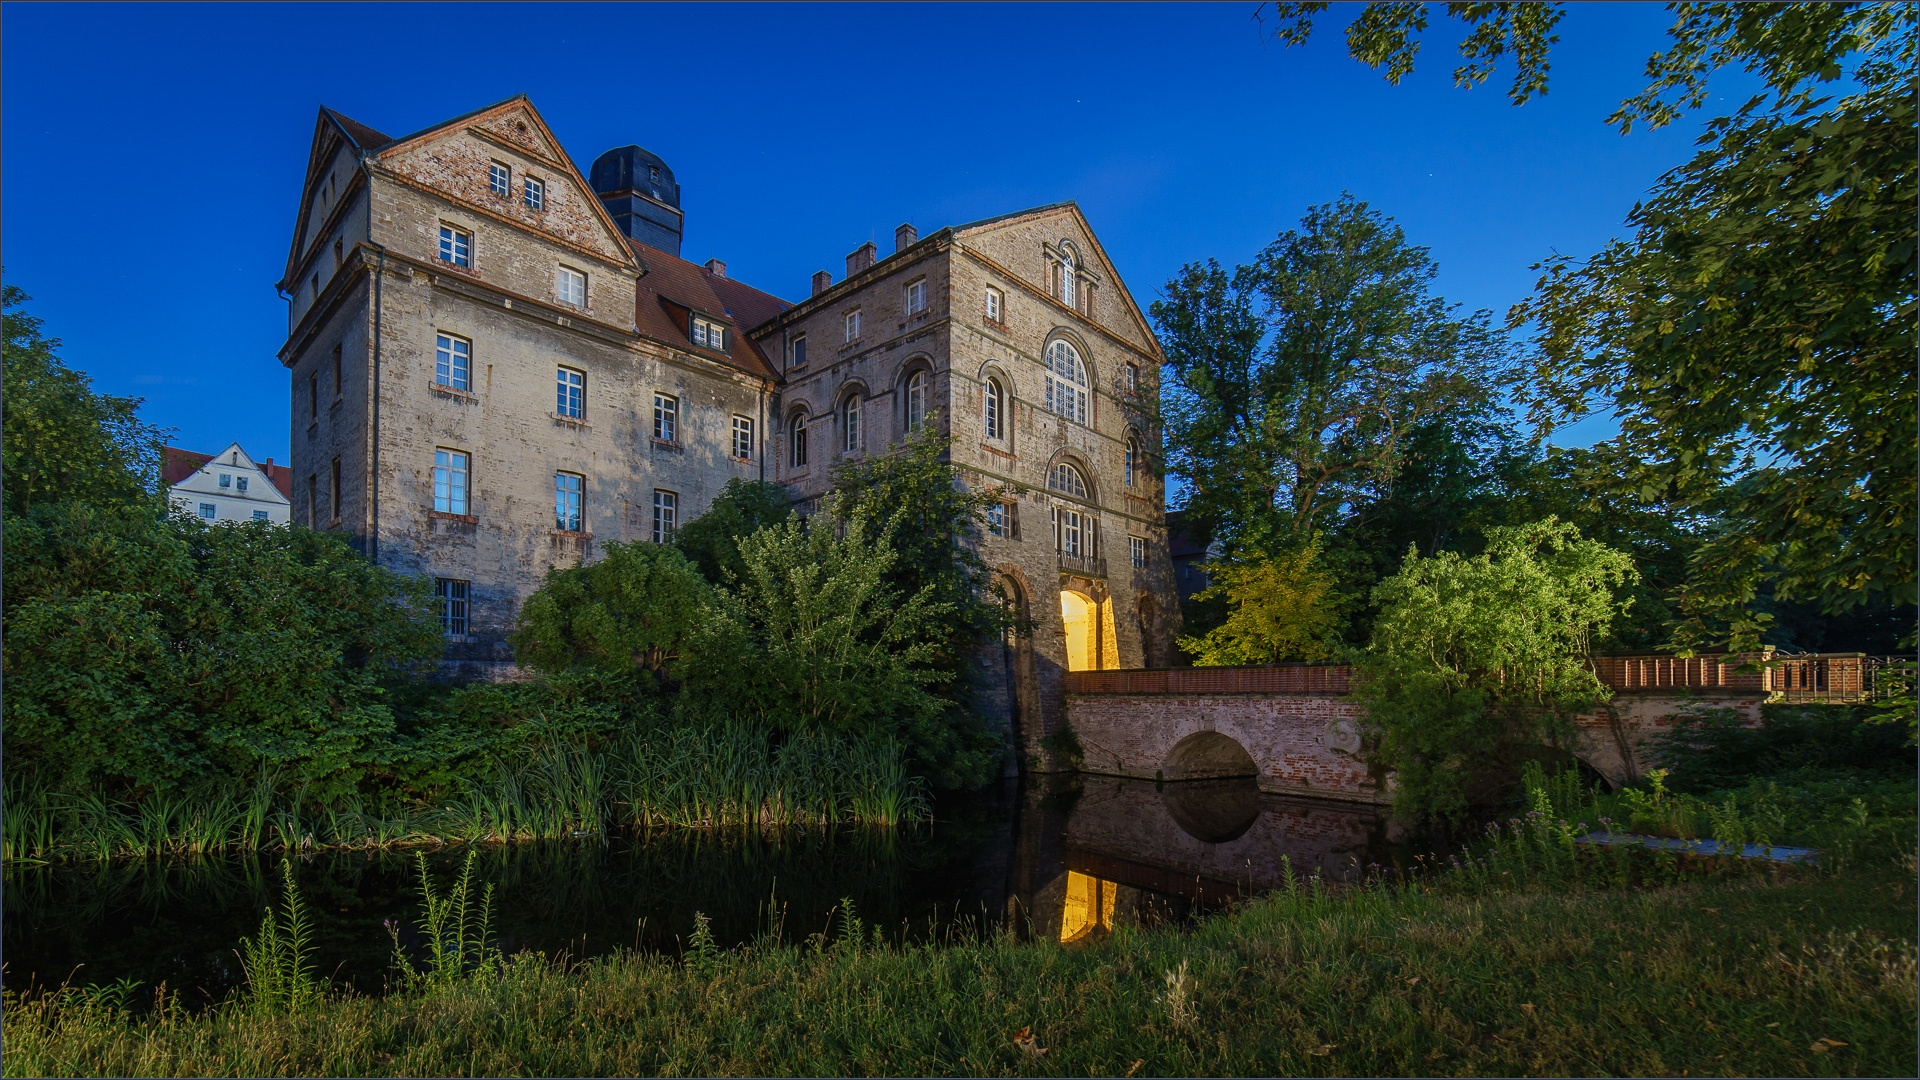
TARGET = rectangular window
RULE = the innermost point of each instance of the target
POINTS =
(571, 393)
(452, 596)
(226, 480)
(336, 371)
(1133, 377)
(993, 306)
(709, 333)
(339, 253)
(799, 441)
(1069, 532)
(313, 396)
(208, 511)
(666, 418)
(456, 247)
(800, 351)
(1137, 551)
(1003, 519)
(853, 325)
(334, 494)
(567, 490)
(666, 510)
(743, 438)
(240, 484)
(571, 286)
(453, 362)
(534, 194)
(260, 515)
(313, 500)
(499, 179)
(917, 297)
(450, 475)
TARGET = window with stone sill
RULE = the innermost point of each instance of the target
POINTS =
(570, 393)
(916, 297)
(570, 286)
(568, 492)
(456, 247)
(743, 438)
(995, 306)
(853, 325)
(533, 194)
(499, 179)
(666, 418)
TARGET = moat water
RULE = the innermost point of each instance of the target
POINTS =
(1057, 860)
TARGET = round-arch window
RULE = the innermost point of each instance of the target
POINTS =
(1133, 460)
(798, 430)
(1067, 480)
(995, 407)
(1066, 382)
(852, 415)
(916, 400)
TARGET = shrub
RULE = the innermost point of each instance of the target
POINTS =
(631, 611)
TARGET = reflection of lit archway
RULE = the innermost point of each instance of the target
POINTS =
(1088, 908)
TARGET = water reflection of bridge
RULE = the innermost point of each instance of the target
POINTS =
(1101, 852)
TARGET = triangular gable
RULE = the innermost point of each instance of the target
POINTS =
(578, 219)
(331, 133)
(1071, 211)
(186, 468)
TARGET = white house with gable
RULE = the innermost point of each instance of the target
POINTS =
(227, 486)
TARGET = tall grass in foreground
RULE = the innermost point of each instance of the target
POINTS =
(685, 778)
(1723, 968)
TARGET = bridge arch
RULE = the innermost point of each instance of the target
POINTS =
(1208, 755)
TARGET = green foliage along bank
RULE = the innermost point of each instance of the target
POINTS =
(1532, 957)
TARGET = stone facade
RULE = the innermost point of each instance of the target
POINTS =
(955, 330)
(371, 281)
(409, 250)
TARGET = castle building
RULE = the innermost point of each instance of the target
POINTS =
(498, 363)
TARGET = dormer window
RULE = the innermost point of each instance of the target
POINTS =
(709, 333)
(456, 246)
(499, 179)
(533, 193)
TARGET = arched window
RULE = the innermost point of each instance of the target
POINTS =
(1067, 480)
(1133, 459)
(916, 400)
(850, 415)
(797, 435)
(1066, 382)
(1069, 291)
(994, 409)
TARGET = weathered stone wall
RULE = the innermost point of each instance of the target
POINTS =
(1614, 740)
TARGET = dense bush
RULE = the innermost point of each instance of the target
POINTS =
(1710, 748)
(631, 611)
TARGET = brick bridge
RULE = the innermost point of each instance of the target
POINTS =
(1297, 729)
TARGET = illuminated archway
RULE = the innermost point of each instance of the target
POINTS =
(1080, 617)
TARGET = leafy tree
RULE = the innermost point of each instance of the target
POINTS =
(630, 612)
(743, 508)
(933, 523)
(1282, 610)
(814, 637)
(1756, 339)
(1297, 381)
(61, 439)
(147, 651)
(1476, 658)
(1387, 35)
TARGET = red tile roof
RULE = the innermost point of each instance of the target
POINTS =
(672, 284)
(368, 138)
(177, 464)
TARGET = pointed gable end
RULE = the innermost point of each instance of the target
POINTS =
(455, 159)
(337, 144)
(1022, 243)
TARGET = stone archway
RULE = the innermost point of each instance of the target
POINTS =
(1208, 755)
(1080, 624)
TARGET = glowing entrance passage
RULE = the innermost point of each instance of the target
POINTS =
(1083, 637)
(1089, 906)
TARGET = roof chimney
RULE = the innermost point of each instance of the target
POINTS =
(716, 268)
(862, 257)
(904, 237)
(822, 281)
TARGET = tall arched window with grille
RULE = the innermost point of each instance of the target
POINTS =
(797, 438)
(916, 400)
(850, 423)
(993, 409)
(1066, 382)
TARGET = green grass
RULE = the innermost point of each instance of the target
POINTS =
(683, 778)
(1543, 960)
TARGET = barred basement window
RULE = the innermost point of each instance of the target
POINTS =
(452, 596)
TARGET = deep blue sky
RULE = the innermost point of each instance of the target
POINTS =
(153, 154)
